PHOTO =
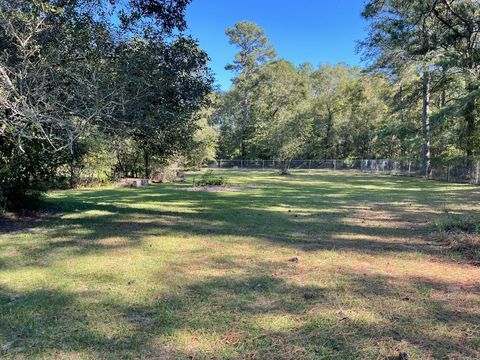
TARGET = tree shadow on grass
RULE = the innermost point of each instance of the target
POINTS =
(250, 315)
(253, 311)
(130, 227)
(318, 220)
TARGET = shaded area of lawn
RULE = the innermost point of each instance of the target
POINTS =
(209, 272)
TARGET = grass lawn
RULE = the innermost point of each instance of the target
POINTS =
(165, 273)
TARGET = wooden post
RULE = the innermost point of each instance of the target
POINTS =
(263, 164)
(448, 173)
(309, 164)
(409, 168)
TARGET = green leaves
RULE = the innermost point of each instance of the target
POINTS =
(254, 48)
(66, 73)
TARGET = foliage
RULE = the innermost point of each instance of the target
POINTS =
(255, 51)
(281, 111)
(205, 138)
(76, 90)
(329, 112)
(434, 42)
(24, 175)
(160, 100)
(210, 179)
(417, 98)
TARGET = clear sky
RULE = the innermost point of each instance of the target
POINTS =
(315, 31)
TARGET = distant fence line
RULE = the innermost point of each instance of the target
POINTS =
(466, 171)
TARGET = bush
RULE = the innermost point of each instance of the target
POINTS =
(25, 175)
(17, 194)
(210, 179)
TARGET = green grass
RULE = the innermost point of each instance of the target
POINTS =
(212, 277)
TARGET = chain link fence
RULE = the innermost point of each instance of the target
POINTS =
(461, 171)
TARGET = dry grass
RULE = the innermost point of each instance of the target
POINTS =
(462, 236)
(162, 273)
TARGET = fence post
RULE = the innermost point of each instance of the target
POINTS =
(448, 174)
(241, 164)
(263, 164)
(310, 164)
(409, 168)
(334, 165)
(219, 164)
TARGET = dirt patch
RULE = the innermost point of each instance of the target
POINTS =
(221, 188)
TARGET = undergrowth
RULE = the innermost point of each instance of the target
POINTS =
(210, 179)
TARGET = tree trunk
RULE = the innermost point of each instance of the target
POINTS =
(328, 150)
(245, 123)
(72, 180)
(284, 167)
(443, 98)
(402, 107)
(72, 174)
(146, 160)
(469, 116)
(426, 122)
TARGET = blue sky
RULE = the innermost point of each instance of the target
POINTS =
(315, 31)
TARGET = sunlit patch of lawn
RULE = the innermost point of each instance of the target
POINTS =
(161, 272)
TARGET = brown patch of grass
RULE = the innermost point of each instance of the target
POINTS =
(462, 236)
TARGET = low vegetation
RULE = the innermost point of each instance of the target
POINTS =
(463, 236)
(315, 265)
(209, 178)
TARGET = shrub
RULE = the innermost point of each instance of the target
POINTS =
(210, 179)
(24, 175)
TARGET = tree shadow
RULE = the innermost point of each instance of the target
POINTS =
(286, 214)
(250, 308)
(254, 314)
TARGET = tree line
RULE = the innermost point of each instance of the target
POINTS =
(416, 98)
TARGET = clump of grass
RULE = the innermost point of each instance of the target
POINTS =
(211, 179)
(466, 225)
(463, 236)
